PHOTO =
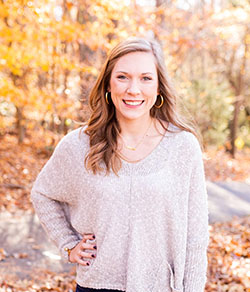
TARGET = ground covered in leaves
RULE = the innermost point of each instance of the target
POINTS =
(229, 248)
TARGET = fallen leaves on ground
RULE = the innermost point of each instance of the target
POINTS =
(40, 280)
(229, 256)
(220, 166)
(20, 164)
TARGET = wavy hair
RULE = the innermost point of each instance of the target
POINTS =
(103, 127)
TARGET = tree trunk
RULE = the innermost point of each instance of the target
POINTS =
(234, 124)
(20, 124)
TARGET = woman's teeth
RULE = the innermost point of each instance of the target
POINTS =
(130, 102)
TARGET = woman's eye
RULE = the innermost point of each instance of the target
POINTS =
(146, 78)
(121, 77)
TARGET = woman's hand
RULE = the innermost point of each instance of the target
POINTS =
(77, 254)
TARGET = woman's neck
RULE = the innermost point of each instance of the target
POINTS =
(134, 129)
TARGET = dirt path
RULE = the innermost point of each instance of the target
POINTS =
(228, 199)
(27, 246)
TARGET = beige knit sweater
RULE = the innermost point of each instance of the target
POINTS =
(150, 223)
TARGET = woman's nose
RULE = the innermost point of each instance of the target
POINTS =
(133, 88)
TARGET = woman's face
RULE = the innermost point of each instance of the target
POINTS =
(134, 86)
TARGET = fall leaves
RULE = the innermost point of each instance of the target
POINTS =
(51, 52)
(229, 256)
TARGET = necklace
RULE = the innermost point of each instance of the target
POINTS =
(140, 141)
(128, 160)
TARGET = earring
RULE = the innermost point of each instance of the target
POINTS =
(162, 101)
(107, 96)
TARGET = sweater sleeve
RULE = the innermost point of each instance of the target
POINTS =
(52, 194)
(197, 234)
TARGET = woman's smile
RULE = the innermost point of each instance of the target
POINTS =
(133, 103)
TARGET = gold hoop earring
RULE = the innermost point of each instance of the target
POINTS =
(107, 97)
(162, 101)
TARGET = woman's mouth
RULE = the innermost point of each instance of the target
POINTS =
(133, 102)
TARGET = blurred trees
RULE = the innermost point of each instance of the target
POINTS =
(51, 51)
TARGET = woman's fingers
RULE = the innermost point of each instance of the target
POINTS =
(82, 256)
(82, 262)
(87, 236)
(88, 246)
(88, 255)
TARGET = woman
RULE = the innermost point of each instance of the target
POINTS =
(124, 197)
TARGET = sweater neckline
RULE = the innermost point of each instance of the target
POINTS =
(153, 162)
(148, 155)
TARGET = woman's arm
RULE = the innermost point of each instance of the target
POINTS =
(52, 193)
(197, 236)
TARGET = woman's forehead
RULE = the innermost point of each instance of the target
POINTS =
(136, 61)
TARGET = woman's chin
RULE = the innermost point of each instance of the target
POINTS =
(132, 117)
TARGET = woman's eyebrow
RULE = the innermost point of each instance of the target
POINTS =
(128, 73)
(121, 72)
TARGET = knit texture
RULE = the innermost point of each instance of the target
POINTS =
(150, 222)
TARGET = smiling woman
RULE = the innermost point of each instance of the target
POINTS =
(133, 214)
(134, 88)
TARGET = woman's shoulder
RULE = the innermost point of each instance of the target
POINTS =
(74, 139)
(183, 139)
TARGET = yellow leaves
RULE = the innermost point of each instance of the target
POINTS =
(192, 100)
(14, 59)
(8, 90)
(203, 94)
(49, 107)
(223, 36)
(17, 70)
(176, 33)
(229, 99)
(10, 34)
(45, 66)
(239, 143)
(90, 69)
(3, 11)
(247, 40)
(66, 64)
(66, 31)
(68, 122)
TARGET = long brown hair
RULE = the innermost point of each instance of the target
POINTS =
(103, 127)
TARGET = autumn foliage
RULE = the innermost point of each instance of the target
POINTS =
(51, 51)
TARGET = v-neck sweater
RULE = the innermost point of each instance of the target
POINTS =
(150, 221)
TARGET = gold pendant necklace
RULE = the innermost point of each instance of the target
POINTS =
(139, 143)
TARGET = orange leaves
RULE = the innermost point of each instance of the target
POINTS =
(3, 254)
(229, 256)
(220, 166)
(18, 169)
(40, 280)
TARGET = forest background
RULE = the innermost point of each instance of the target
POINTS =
(51, 52)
